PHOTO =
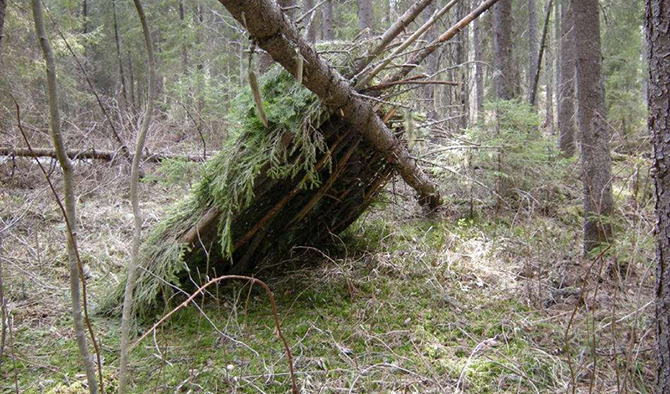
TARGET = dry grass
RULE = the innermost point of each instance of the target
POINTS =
(400, 303)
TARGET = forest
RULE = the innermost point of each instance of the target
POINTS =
(334, 196)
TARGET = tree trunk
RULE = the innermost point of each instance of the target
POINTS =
(184, 47)
(310, 21)
(566, 83)
(533, 45)
(265, 60)
(592, 118)
(463, 77)
(70, 200)
(128, 301)
(365, 17)
(280, 39)
(84, 15)
(503, 61)
(549, 83)
(3, 6)
(428, 91)
(657, 24)
(327, 24)
(117, 40)
(478, 38)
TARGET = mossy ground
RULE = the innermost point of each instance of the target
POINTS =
(400, 303)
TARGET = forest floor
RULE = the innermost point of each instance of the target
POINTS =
(402, 303)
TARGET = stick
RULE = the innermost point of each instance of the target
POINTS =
(91, 153)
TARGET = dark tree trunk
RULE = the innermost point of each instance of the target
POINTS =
(3, 5)
(327, 22)
(462, 77)
(657, 24)
(533, 45)
(84, 14)
(503, 61)
(365, 16)
(592, 118)
(184, 48)
(549, 81)
(117, 40)
(566, 82)
(478, 38)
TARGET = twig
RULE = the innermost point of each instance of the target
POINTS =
(275, 315)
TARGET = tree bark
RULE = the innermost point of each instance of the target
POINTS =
(533, 46)
(592, 118)
(657, 25)
(3, 6)
(503, 61)
(365, 17)
(566, 83)
(117, 40)
(478, 38)
(327, 25)
(280, 39)
(70, 200)
(92, 154)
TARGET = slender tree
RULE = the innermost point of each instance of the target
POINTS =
(503, 60)
(566, 82)
(479, 43)
(117, 40)
(70, 200)
(549, 79)
(657, 25)
(431, 66)
(137, 214)
(592, 118)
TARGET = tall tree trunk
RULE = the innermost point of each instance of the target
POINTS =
(184, 46)
(428, 91)
(463, 77)
(84, 15)
(478, 38)
(566, 82)
(3, 6)
(128, 300)
(281, 40)
(657, 25)
(117, 40)
(533, 45)
(327, 21)
(592, 118)
(70, 200)
(549, 85)
(503, 60)
(365, 16)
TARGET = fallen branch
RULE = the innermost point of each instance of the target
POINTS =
(387, 85)
(92, 154)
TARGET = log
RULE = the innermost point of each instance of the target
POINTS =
(274, 33)
(92, 154)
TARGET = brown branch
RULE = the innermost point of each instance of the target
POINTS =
(275, 315)
(387, 85)
(93, 154)
(419, 57)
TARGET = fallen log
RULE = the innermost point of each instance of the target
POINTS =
(93, 154)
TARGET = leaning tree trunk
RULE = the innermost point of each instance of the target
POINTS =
(533, 46)
(657, 24)
(592, 118)
(277, 36)
(68, 184)
(566, 82)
